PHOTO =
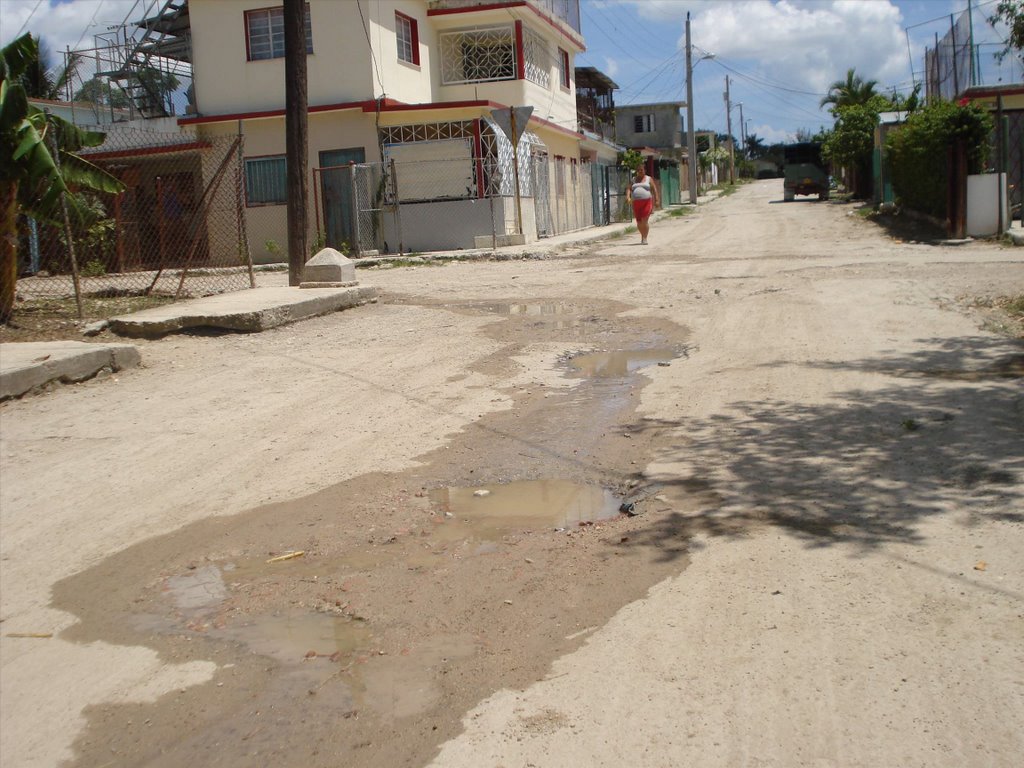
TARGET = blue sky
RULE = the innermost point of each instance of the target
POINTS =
(780, 55)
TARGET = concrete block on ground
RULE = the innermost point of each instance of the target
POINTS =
(329, 268)
(248, 311)
(25, 366)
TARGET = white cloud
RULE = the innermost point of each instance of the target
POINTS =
(769, 134)
(804, 44)
(611, 67)
(68, 24)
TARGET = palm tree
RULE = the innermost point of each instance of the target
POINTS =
(42, 79)
(32, 178)
(852, 90)
(755, 146)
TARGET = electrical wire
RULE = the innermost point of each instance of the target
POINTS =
(90, 25)
(38, 3)
(369, 44)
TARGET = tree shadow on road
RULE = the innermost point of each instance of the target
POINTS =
(935, 433)
(905, 225)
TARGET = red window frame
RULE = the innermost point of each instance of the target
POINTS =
(246, 15)
(563, 59)
(414, 37)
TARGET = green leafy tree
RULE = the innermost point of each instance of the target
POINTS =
(850, 144)
(852, 91)
(716, 156)
(755, 146)
(1010, 13)
(819, 136)
(907, 103)
(42, 79)
(916, 151)
(98, 91)
(30, 179)
(631, 159)
(154, 88)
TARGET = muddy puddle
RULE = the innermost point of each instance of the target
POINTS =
(490, 511)
(618, 363)
(418, 593)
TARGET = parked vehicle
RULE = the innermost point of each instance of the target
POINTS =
(805, 172)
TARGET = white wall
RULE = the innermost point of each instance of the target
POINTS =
(339, 68)
(443, 226)
(399, 79)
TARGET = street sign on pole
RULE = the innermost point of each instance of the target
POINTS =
(512, 122)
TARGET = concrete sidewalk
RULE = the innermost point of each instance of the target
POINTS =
(31, 365)
(25, 367)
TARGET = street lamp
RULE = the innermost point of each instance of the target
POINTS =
(691, 138)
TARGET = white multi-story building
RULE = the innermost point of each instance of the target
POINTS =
(410, 81)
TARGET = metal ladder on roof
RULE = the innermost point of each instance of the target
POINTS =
(156, 53)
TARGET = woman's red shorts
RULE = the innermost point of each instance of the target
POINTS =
(642, 208)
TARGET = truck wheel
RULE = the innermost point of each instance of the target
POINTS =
(823, 195)
(788, 196)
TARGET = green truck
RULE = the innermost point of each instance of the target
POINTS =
(804, 171)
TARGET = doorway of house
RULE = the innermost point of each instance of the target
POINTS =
(336, 190)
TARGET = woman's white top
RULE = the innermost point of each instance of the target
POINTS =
(642, 189)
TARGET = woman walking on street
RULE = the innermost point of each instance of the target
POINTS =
(643, 195)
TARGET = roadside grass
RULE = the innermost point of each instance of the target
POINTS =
(1005, 313)
(726, 189)
(412, 260)
(1014, 306)
(677, 212)
(56, 318)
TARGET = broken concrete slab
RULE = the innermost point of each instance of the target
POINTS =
(25, 366)
(248, 311)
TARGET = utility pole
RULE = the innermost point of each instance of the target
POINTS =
(728, 130)
(743, 132)
(296, 134)
(691, 139)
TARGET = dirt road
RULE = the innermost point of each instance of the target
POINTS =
(818, 430)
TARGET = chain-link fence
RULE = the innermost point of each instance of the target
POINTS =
(355, 209)
(1007, 155)
(460, 201)
(176, 231)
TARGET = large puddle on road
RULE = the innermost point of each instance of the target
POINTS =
(618, 363)
(295, 636)
(492, 510)
(409, 598)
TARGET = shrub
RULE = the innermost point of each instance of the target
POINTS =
(916, 152)
(851, 142)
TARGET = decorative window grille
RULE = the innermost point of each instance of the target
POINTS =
(265, 181)
(264, 33)
(536, 57)
(643, 123)
(478, 55)
(408, 134)
(407, 33)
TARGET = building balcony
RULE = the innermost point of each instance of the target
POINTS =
(566, 12)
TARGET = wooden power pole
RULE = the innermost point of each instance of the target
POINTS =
(296, 135)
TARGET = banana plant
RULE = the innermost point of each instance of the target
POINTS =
(32, 177)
